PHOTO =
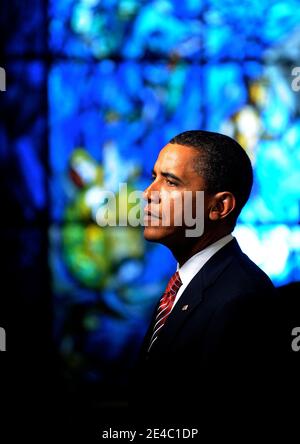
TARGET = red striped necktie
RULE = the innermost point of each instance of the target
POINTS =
(165, 305)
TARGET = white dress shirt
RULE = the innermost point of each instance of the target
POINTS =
(191, 267)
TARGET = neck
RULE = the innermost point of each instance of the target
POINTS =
(185, 251)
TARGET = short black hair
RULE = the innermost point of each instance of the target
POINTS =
(223, 163)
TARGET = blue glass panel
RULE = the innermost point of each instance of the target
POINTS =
(135, 29)
(130, 29)
(23, 151)
(247, 28)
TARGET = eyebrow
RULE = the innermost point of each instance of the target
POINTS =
(168, 175)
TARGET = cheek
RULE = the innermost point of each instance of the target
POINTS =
(194, 206)
(171, 204)
(183, 208)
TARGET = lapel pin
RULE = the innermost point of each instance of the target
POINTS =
(185, 307)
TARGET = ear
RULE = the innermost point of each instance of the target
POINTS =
(222, 204)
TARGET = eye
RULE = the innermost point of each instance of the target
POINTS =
(169, 182)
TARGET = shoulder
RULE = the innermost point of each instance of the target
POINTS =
(240, 290)
(242, 274)
(239, 275)
(245, 297)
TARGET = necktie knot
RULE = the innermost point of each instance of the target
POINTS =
(174, 284)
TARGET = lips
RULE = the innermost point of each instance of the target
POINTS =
(148, 213)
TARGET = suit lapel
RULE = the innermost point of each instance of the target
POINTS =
(194, 295)
(146, 340)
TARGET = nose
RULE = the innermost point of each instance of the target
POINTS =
(152, 194)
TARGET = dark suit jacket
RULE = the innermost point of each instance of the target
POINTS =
(214, 361)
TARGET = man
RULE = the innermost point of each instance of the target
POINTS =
(206, 356)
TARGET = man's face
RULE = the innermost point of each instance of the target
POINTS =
(173, 175)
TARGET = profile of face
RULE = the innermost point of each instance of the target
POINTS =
(173, 176)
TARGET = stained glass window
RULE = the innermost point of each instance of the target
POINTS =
(95, 89)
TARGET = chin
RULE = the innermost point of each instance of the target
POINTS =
(155, 234)
(160, 235)
(152, 234)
